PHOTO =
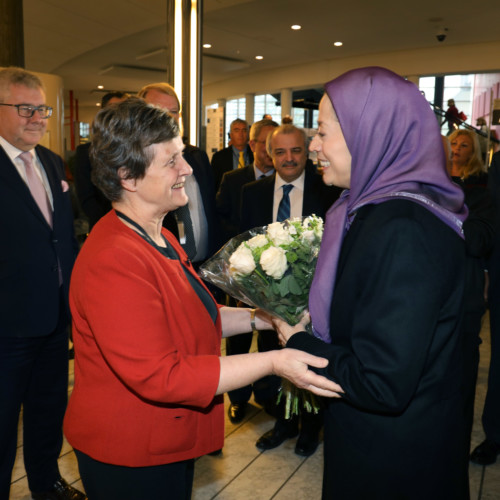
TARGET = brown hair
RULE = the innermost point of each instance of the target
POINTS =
(122, 136)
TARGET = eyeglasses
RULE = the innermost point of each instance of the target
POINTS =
(27, 111)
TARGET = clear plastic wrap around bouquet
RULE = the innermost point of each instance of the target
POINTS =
(272, 267)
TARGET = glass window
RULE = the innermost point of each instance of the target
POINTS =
(235, 108)
(426, 86)
(298, 115)
(460, 88)
(266, 104)
(84, 131)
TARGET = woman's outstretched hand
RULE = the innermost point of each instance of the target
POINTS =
(294, 366)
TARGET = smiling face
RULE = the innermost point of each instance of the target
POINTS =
(331, 148)
(162, 186)
(23, 133)
(289, 155)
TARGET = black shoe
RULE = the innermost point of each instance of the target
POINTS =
(215, 453)
(279, 433)
(60, 491)
(306, 444)
(271, 408)
(236, 412)
(486, 453)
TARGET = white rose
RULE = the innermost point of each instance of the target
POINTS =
(306, 222)
(273, 261)
(241, 261)
(257, 241)
(319, 228)
(278, 234)
(308, 235)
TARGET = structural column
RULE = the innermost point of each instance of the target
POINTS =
(11, 33)
(286, 102)
(184, 35)
(249, 108)
(222, 105)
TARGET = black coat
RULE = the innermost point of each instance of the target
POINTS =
(202, 172)
(228, 200)
(257, 199)
(398, 432)
(92, 200)
(222, 162)
(31, 251)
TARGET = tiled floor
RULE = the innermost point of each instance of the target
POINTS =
(243, 472)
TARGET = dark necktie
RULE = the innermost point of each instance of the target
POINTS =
(284, 207)
(36, 187)
(186, 234)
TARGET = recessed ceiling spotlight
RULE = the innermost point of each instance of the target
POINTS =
(259, 57)
(100, 86)
(296, 26)
(338, 44)
(207, 45)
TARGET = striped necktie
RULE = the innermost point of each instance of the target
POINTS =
(284, 207)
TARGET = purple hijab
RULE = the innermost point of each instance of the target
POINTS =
(397, 153)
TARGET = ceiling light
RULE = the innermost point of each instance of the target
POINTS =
(338, 44)
(259, 57)
(207, 45)
(100, 87)
(97, 104)
(296, 26)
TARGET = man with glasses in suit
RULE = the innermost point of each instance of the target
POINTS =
(36, 257)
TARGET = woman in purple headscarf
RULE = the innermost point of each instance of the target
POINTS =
(386, 298)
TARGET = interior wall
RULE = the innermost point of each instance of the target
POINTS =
(53, 138)
(442, 59)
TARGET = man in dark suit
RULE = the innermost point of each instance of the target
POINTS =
(195, 225)
(486, 453)
(228, 197)
(228, 208)
(236, 155)
(92, 200)
(36, 257)
(295, 190)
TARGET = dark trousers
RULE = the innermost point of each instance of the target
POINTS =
(114, 482)
(491, 412)
(34, 374)
(471, 328)
(266, 388)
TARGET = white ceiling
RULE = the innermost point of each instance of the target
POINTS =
(79, 39)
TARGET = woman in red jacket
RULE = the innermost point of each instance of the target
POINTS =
(149, 377)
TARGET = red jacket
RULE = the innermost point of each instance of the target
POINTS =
(147, 355)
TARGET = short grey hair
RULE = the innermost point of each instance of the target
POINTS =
(238, 120)
(256, 128)
(17, 76)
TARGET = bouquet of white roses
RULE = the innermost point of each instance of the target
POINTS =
(272, 267)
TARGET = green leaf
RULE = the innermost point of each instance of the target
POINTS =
(293, 286)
